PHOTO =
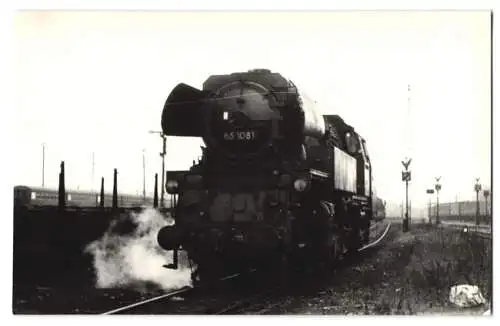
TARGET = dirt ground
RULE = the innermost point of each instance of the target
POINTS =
(411, 274)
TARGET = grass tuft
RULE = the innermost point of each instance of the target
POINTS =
(435, 260)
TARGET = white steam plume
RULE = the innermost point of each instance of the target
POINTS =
(135, 258)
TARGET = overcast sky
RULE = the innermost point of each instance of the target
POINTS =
(97, 81)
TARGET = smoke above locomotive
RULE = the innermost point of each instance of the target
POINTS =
(243, 114)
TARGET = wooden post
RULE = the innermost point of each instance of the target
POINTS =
(62, 188)
(115, 190)
(102, 193)
(477, 189)
(155, 202)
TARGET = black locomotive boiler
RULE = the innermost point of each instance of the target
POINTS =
(277, 184)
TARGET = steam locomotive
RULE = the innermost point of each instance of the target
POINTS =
(278, 185)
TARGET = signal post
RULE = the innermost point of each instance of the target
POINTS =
(430, 192)
(438, 188)
(406, 177)
(162, 155)
(477, 189)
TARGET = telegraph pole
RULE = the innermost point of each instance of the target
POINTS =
(62, 188)
(409, 213)
(406, 173)
(93, 168)
(406, 177)
(438, 188)
(43, 165)
(162, 155)
(144, 174)
(115, 189)
(477, 189)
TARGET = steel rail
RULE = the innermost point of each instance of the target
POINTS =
(189, 288)
(374, 243)
(168, 295)
(478, 230)
(143, 302)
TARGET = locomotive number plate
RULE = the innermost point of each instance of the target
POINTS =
(239, 135)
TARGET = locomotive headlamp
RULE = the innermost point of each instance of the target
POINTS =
(172, 186)
(301, 185)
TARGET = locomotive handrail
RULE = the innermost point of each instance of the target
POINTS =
(374, 243)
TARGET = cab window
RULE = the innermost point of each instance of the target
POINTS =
(352, 143)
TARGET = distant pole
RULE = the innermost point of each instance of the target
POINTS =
(43, 165)
(429, 209)
(409, 214)
(92, 176)
(406, 177)
(162, 155)
(144, 174)
(477, 188)
(430, 192)
(62, 188)
(407, 218)
(408, 130)
(438, 188)
(102, 192)
(406, 173)
(155, 200)
(115, 189)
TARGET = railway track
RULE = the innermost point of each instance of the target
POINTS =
(483, 234)
(184, 296)
(130, 308)
(482, 231)
(191, 303)
(257, 304)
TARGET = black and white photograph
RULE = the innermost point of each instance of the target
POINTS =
(252, 162)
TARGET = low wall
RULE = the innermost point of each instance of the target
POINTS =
(49, 244)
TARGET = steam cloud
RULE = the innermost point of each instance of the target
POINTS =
(129, 260)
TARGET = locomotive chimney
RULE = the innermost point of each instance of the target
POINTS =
(181, 114)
